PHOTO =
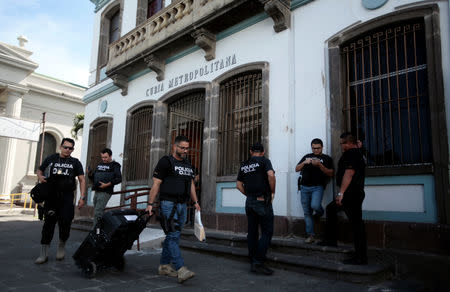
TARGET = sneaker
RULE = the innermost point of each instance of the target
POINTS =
(310, 239)
(167, 270)
(354, 261)
(183, 274)
(261, 269)
(327, 243)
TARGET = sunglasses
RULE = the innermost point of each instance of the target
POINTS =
(67, 147)
(183, 148)
(316, 148)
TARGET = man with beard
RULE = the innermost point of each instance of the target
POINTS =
(173, 179)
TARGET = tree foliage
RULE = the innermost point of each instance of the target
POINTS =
(78, 123)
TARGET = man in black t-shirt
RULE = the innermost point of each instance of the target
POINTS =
(350, 180)
(315, 168)
(173, 179)
(256, 180)
(106, 175)
(60, 171)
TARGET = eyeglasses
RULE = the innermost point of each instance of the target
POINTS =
(183, 148)
(316, 148)
(67, 147)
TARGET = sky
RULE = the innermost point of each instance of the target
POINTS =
(59, 34)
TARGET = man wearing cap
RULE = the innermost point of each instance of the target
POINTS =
(256, 180)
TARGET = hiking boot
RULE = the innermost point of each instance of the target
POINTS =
(310, 239)
(261, 269)
(60, 253)
(43, 257)
(183, 274)
(167, 270)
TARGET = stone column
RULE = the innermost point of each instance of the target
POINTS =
(8, 145)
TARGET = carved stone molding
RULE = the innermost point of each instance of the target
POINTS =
(156, 64)
(279, 11)
(207, 41)
(121, 81)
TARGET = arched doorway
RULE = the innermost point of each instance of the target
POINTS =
(49, 148)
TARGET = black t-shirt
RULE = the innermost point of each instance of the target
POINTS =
(312, 175)
(107, 172)
(352, 159)
(253, 173)
(177, 176)
(62, 171)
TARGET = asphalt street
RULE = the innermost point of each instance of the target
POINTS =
(20, 245)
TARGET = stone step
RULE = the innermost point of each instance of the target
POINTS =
(278, 244)
(291, 254)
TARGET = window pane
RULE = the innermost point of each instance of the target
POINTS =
(240, 120)
(114, 27)
(386, 103)
(153, 7)
(138, 146)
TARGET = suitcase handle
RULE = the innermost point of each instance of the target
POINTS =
(143, 214)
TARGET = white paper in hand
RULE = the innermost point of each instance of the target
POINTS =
(199, 231)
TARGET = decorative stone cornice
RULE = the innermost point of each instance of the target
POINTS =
(279, 11)
(99, 4)
(121, 81)
(156, 64)
(207, 41)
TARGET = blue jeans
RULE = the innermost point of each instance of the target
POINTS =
(171, 251)
(311, 198)
(259, 215)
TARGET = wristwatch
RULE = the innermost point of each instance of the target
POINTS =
(150, 204)
(338, 195)
(196, 202)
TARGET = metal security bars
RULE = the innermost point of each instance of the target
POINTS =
(240, 120)
(386, 98)
(186, 117)
(138, 145)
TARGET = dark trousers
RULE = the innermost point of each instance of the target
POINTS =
(59, 211)
(352, 206)
(259, 215)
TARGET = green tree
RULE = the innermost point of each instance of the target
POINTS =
(78, 123)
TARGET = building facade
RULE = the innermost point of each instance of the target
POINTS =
(26, 95)
(228, 73)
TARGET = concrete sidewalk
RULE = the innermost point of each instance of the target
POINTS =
(20, 246)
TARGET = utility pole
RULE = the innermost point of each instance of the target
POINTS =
(43, 137)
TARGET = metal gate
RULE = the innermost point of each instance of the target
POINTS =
(186, 117)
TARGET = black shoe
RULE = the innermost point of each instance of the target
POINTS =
(261, 269)
(327, 243)
(354, 261)
(317, 216)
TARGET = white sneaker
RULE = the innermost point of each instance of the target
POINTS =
(310, 239)
(167, 270)
(184, 274)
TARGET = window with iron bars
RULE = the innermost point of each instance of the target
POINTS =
(386, 94)
(137, 148)
(240, 120)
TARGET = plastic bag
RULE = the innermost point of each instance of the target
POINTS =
(199, 231)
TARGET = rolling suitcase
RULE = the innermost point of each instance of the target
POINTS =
(106, 244)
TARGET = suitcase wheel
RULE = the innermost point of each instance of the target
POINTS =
(90, 270)
(120, 264)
